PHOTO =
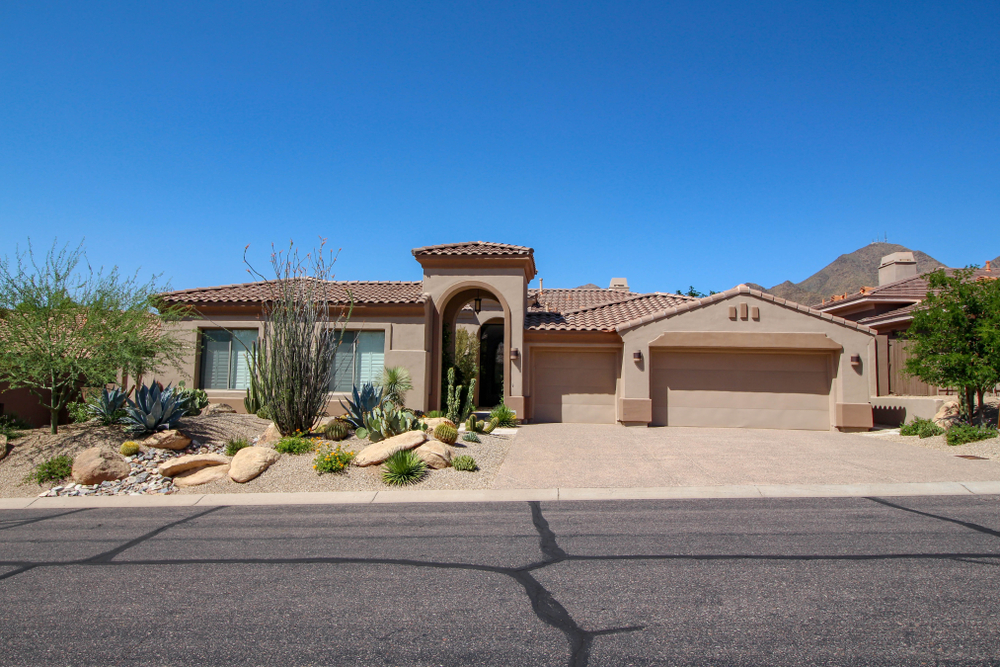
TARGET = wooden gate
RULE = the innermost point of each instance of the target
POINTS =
(901, 384)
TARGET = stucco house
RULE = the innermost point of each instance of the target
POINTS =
(740, 358)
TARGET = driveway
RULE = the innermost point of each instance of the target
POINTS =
(590, 455)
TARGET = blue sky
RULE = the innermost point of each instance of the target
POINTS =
(676, 144)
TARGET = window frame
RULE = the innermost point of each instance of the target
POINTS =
(233, 340)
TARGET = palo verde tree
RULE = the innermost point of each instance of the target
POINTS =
(953, 337)
(64, 325)
(303, 326)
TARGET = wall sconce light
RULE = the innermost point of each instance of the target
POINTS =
(855, 359)
(515, 354)
(477, 303)
(637, 356)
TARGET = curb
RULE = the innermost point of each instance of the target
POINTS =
(514, 495)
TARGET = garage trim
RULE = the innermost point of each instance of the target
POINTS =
(746, 341)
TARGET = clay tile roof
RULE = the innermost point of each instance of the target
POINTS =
(615, 309)
(907, 290)
(904, 313)
(481, 248)
(340, 292)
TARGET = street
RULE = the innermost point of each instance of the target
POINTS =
(848, 581)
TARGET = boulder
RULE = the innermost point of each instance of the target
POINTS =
(3, 446)
(271, 436)
(435, 454)
(434, 421)
(947, 415)
(218, 409)
(172, 467)
(202, 475)
(250, 462)
(172, 439)
(380, 451)
(96, 465)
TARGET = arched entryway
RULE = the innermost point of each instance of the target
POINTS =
(491, 363)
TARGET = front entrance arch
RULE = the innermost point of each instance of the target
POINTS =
(491, 363)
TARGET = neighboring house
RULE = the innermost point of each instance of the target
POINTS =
(888, 310)
(740, 358)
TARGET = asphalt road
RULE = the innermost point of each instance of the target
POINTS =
(703, 582)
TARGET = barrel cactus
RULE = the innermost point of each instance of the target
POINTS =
(446, 434)
(129, 448)
(335, 430)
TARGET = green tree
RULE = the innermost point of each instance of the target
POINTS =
(63, 326)
(954, 335)
(466, 355)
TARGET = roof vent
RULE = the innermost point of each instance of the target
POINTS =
(897, 266)
(619, 284)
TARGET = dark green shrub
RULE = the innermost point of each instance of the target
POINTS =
(129, 448)
(433, 414)
(471, 437)
(234, 445)
(961, 434)
(464, 463)
(331, 459)
(79, 412)
(925, 428)
(11, 426)
(264, 413)
(335, 430)
(403, 467)
(53, 470)
(504, 416)
(446, 434)
(295, 444)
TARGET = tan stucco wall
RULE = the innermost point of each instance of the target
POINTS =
(852, 385)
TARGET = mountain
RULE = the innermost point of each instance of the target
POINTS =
(847, 273)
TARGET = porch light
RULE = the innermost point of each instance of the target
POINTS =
(515, 354)
(477, 303)
(637, 356)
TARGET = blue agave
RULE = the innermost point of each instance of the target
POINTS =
(109, 407)
(155, 409)
(364, 402)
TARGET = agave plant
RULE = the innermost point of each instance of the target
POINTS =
(364, 402)
(385, 421)
(109, 407)
(155, 409)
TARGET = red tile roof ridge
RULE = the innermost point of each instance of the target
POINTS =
(632, 297)
(488, 246)
(740, 289)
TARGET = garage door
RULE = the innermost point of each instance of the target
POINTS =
(575, 387)
(741, 390)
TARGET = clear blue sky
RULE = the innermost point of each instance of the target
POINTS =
(698, 143)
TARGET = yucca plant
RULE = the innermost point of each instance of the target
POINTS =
(108, 407)
(155, 408)
(402, 468)
(394, 384)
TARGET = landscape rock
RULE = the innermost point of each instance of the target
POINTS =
(202, 475)
(3, 446)
(435, 454)
(380, 451)
(96, 465)
(218, 409)
(173, 467)
(271, 435)
(435, 421)
(172, 439)
(947, 415)
(250, 462)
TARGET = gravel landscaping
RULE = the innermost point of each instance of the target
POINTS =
(987, 449)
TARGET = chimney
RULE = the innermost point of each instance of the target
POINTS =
(619, 284)
(897, 266)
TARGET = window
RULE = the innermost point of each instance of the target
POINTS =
(360, 359)
(225, 358)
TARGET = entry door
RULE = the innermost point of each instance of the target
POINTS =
(741, 390)
(575, 387)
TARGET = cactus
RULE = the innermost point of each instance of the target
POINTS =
(446, 434)
(335, 430)
(471, 437)
(129, 448)
(468, 407)
(471, 425)
(492, 425)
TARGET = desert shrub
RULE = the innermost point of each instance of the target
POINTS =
(504, 416)
(263, 413)
(960, 434)
(446, 434)
(433, 414)
(471, 437)
(79, 412)
(335, 430)
(11, 426)
(925, 428)
(129, 448)
(52, 470)
(234, 445)
(465, 463)
(403, 467)
(295, 444)
(331, 459)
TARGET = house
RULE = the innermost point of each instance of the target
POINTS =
(740, 358)
(888, 310)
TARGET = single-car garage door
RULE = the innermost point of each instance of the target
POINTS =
(741, 390)
(575, 387)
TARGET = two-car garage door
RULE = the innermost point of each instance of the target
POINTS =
(741, 389)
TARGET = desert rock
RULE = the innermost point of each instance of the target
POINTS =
(96, 465)
(172, 467)
(380, 451)
(435, 454)
(202, 476)
(250, 462)
(172, 439)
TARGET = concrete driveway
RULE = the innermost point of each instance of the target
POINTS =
(597, 456)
